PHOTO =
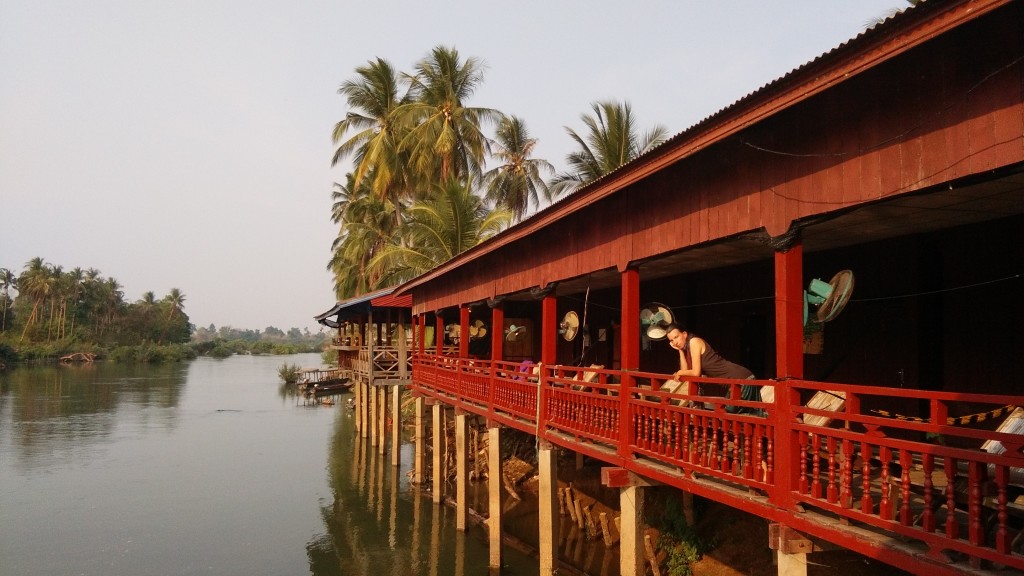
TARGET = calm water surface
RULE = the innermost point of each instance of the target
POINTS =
(207, 467)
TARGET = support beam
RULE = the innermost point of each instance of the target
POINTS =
(439, 333)
(461, 472)
(463, 331)
(793, 548)
(549, 330)
(495, 492)
(498, 333)
(396, 420)
(419, 458)
(789, 354)
(789, 312)
(629, 341)
(439, 446)
(631, 538)
(382, 402)
(547, 513)
(374, 436)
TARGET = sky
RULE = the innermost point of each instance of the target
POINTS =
(187, 144)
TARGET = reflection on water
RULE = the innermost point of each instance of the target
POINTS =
(208, 467)
(54, 411)
(377, 523)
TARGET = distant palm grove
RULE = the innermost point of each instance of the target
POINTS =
(432, 176)
(47, 311)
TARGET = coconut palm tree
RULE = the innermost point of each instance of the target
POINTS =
(517, 182)
(7, 281)
(611, 140)
(366, 225)
(445, 138)
(373, 97)
(175, 300)
(37, 282)
(449, 222)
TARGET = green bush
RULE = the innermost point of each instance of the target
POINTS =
(220, 351)
(289, 373)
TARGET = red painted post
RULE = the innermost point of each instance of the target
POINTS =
(463, 331)
(497, 333)
(789, 354)
(548, 330)
(629, 343)
(497, 353)
(439, 333)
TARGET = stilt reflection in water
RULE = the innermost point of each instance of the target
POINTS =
(376, 523)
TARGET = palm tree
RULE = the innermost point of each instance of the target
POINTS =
(175, 299)
(517, 183)
(366, 226)
(76, 290)
(36, 281)
(7, 281)
(373, 98)
(449, 222)
(611, 140)
(445, 139)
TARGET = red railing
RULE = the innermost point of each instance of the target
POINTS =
(798, 458)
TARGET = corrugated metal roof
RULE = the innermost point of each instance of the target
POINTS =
(354, 305)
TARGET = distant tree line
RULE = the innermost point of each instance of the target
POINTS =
(46, 304)
(47, 312)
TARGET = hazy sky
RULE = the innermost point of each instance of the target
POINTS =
(187, 144)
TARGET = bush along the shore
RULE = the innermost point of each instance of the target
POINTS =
(289, 373)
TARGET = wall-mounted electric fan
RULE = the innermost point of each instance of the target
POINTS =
(515, 333)
(453, 333)
(477, 329)
(654, 318)
(569, 327)
(829, 298)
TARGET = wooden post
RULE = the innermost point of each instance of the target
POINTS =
(463, 331)
(789, 354)
(549, 330)
(396, 418)
(629, 332)
(439, 333)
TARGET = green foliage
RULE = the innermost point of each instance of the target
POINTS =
(220, 351)
(289, 373)
(679, 539)
(329, 357)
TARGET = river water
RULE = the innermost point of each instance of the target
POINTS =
(207, 467)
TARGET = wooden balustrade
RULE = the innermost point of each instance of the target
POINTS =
(853, 464)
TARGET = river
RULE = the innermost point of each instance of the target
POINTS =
(207, 467)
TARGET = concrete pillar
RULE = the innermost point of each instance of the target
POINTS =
(358, 400)
(792, 549)
(439, 446)
(792, 564)
(461, 472)
(547, 513)
(396, 421)
(382, 419)
(419, 457)
(495, 491)
(631, 538)
(374, 437)
(364, 409)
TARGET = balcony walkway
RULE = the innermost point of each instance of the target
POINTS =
(857, 478)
